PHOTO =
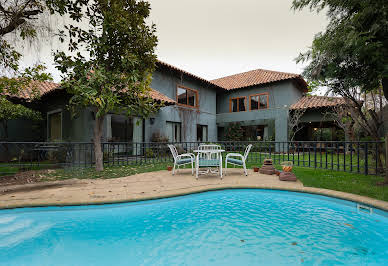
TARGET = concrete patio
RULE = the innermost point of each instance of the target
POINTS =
(151, 185)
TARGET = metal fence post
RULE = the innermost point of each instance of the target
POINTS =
(366, 158)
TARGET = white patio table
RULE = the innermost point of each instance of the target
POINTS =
(208, 162)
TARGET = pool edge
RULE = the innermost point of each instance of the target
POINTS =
(374, 203)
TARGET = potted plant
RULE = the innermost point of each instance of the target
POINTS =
(287, 166)
(256, 169)
(169, 168)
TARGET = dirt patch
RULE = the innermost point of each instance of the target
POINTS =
(26, 177)
(31, 188)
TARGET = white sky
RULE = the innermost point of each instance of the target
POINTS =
(215, 38)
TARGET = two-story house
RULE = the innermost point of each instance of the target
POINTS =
(196, 109)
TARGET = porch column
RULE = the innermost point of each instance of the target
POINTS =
(281, 128)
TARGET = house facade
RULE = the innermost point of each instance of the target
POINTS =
(195, 109)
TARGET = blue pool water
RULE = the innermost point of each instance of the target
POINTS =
(229, 227)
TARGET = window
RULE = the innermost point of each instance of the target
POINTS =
(122, 128)
(173, 131)
(259, 101)
(202, 133)
(187, 96)
(54, 125)
(237, 104)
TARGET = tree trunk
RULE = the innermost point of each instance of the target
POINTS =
(384, 83)
(99, 121)
(386, 160)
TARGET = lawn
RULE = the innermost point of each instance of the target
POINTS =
(342, 181)
(336, 180)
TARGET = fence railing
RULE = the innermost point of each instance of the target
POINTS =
(359, 157)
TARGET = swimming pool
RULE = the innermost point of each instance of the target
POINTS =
(227, 227)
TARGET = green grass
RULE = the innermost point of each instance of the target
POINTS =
(342, 181)
(107, 173)
(13, 168)
(8, 170)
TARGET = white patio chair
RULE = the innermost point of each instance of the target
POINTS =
(239, 162)
(209, 159)
(182, 159)
(210, 147)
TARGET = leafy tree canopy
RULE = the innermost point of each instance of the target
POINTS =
(20, 18)
(10, 111)
(114, 74)
(353, 50)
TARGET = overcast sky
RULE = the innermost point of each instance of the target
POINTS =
(215, 38)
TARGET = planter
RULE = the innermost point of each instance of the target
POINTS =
(277, 172)
(287, 168)
(256, 169)
(169, 168)
(287, 176)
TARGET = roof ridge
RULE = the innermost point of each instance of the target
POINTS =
(258, 69)
(324, 96)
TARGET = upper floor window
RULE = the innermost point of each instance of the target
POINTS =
(187, 96)
(259, 101)
(237, 104)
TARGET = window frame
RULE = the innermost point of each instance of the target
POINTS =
(258, 108)
(187, 96)
(238, 103)
(49, 125)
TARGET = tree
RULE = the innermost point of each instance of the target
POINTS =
(18, 17)
(10, 111)
(115, 75)
(353, 51)
(294, 124)
(341, 116)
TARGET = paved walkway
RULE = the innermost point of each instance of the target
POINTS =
(150, 186)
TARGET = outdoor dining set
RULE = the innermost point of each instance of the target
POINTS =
(208, 159)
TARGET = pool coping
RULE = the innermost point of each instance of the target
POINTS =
(371, 202)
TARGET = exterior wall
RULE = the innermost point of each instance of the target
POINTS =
(281, 96)
(166, 82)
(315, 115)
(213, 111)
(77, 129)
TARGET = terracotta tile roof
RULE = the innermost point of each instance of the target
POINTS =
(164, 64)
(39, 88)
(256, 77)
(156, 95)
(36, 88)
(313, 101)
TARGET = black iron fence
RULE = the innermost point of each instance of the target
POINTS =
(359, 157)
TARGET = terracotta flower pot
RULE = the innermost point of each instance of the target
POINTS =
(169, 168)
(277, 172)
(256, 169)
